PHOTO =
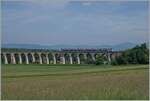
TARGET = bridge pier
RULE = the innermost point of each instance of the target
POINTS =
(93, 56)
(63, 58)
(13, 60)
(78, 58)
(109, 57)
(20, 59)
(85, 56)
(47, 59)
(5, 58)
(33, 58)
(54, 58)
(70, 58)
(26, 56)
(40, 58)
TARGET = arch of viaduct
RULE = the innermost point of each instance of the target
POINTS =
(63, 56)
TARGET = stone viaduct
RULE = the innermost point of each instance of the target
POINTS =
(63, 56)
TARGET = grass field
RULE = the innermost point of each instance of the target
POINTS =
(80, 82)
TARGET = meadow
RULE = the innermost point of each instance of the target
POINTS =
(74, 82)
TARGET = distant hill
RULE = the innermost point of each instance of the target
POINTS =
(122, 46)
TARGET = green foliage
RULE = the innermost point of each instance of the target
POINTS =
(89, 61)
(100, 59)
(114, 62)
(122, 59)
(136, 55)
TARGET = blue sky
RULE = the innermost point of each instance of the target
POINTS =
(51, 22)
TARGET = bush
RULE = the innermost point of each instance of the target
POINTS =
(136, 55)
(89, 61)
(99, 62)
(114, 62)
(100, 59)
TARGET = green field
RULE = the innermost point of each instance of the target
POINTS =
(79, 82)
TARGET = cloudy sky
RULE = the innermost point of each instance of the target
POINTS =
(51, 22)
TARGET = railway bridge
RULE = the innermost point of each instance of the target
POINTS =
(63, 56)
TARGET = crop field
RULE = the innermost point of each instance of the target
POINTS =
(74, 82)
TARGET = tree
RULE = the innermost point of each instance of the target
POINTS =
(100, 59)
(142, 58)
(136, 55)
(121, 60)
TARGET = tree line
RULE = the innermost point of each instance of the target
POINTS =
(137, 55)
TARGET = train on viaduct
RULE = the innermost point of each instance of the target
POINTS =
(62, 56)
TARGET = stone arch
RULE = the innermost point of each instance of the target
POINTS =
(67, 59)
(16, 55)
(8, 58)
(58, 60)
(33, 57)
(93, 56)
(37, 59)
(82, 59)
(50, 57)
(62, 58)
(89, 56)
(43, 56)
(23, 58)
(2, 59)
(74, 58)
(30, 59)
(89, 59)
